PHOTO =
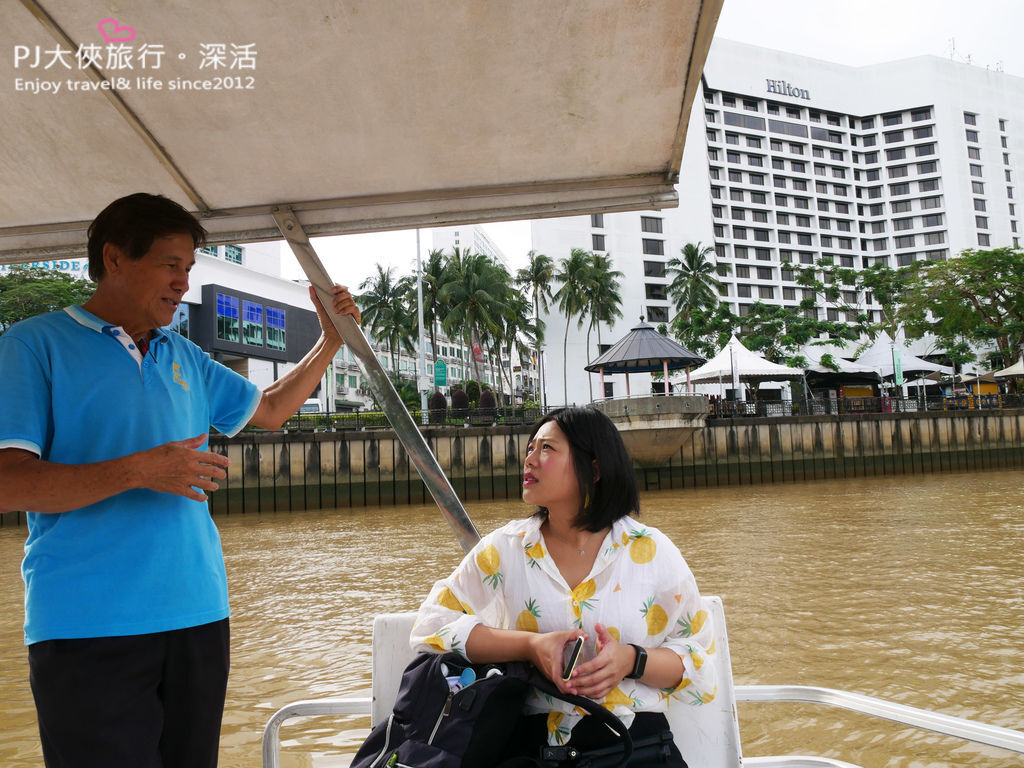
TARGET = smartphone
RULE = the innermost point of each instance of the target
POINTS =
(574, 657)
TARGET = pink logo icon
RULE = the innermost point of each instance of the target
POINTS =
(115, 33)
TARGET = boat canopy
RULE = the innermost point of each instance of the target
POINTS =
(359, 116)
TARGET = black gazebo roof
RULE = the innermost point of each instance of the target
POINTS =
(644, 350)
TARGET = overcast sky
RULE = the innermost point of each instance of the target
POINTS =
(982, 32)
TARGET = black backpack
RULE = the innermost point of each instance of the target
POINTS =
(434, 727)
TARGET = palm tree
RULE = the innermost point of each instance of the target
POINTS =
(472, 292)
(537, 277)
(605, 300)
(434, 276)
(574, 274)
(384, 310)
(694, 283)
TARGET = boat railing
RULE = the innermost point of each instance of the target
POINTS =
(708, 736)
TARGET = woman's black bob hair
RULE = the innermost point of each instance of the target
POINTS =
(594, 438)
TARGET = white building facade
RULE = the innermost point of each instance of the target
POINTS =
(789, 160)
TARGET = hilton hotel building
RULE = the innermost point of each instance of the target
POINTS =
(790, 159)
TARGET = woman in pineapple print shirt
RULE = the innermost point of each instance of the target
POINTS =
(579, 567)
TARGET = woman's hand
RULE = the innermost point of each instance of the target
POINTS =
(597, 677)
(547, 652)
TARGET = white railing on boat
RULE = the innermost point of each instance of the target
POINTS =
(708, 736)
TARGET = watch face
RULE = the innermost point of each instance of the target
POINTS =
(640, 664)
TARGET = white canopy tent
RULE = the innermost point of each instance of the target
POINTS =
(843, 365)
(747, 366)
(1013, 372)
(879, 357)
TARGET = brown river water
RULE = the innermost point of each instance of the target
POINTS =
(909, 588)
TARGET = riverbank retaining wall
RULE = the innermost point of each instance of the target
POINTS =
(288, 472)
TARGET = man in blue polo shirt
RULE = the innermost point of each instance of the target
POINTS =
(103, 442)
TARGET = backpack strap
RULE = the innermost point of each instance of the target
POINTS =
(591, 707)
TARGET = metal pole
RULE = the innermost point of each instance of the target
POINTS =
(392, 405)
(422, 380)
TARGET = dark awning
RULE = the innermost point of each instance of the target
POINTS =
(644, 350)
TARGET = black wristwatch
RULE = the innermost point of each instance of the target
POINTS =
(640, 664)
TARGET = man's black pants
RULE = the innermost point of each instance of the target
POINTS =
(139, 701)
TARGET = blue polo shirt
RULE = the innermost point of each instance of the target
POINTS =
(75, 390)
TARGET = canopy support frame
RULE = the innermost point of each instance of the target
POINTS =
(401, 421)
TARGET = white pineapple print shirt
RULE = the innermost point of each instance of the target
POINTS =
(640, 588)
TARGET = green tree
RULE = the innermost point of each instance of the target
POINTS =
(29, 291)
(537, 277)
(434, 277)
(705, 331)
(605, 301)
(472, 293)
(574, 275)
(778, 333)
(976, 298)
(695, 283)
(384, 309)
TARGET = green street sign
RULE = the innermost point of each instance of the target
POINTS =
(440, 373)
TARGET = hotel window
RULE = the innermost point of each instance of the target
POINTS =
(760, 217)
(975, 170)
(785, 256)
(782, 218)
(920, 114)
(974, 153)
(928, 185)
(788, 294)
(934, 238)
(655, 292)
(803, 221)
(728, 101)
(867, 123)
(1008, 177)
(778, 164)
(715, 173)
(735, 176)
(765, 292)
(898, 171)
(892, 137)
(650, 224)
(800, 184)
(750, 104)
(921, 150)
(654, 247)
(796, 149)
(871, 158)
(895, 154)
(597, 242)
(719, 230)
(802, 202)
(713, 157)
(276, 329)
(209, 250)
(732, 138)
(743, 291)
(756, 178)
(597, 220)
(761, 235)
(899, 189)
(818, 151)
(877, 226)
(776, 145)
(930, 202)
(842, 208)
(798, 166)
(736, 195)
(233, 254)
(839, 189)
(900, 206)
(742, 271)
(823, 206)
(984, 239)
(252, 323)
(979, 205)
(901, 225)
(1002, 124)
(905, 241)
(793, 112)
(755, 160)
(763, 254)
(806, 258)
(838, 173)
(1006, 158)
(764, 273)
(716, 193)
(732, 157)
(1009, 192)
(1002, 142)
(929, 167)
(753, 142)
(716, 211)
(738, 233)
(970, 118)
(836, 154)
(739, 214)
(981, 222)
(905, 259)
(227, 317)
(893, 119)
(923, 132)
(654, 269)
(932, 220)
(881, 244)
(712, 134)
(657, 314)
(803, 239)
(758, 197)
(869, 141)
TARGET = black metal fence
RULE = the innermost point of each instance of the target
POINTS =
(449, 417)
(732, 409)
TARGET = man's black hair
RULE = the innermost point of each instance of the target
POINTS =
(594, 438)
(132, 223)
